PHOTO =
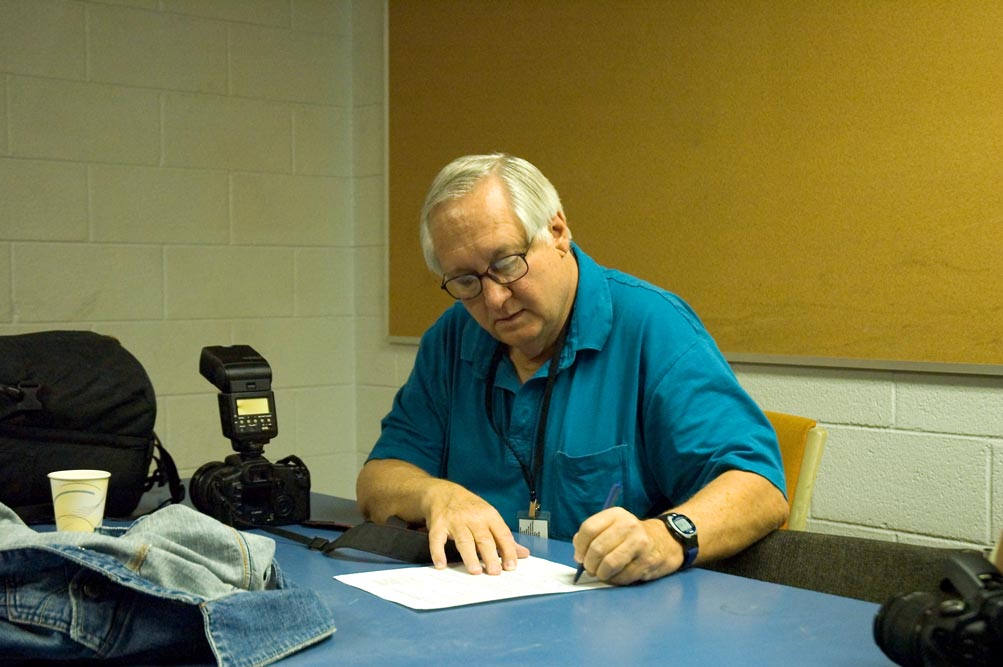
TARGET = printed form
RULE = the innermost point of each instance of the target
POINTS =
(428, 588)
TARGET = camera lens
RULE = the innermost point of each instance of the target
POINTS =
(200, 487)
(898, 627)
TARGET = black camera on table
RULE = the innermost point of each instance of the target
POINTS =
(246, 490)
(960, 628)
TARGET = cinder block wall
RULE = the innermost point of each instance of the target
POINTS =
(182, 173)
(912, 457)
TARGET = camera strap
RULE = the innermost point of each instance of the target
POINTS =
(385, 539)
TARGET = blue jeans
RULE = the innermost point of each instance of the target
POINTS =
(174, 586)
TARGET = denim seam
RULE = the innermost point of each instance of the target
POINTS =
(244, 558)
(136, 561)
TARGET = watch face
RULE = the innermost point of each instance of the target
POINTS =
(683, 524)
(686, 533)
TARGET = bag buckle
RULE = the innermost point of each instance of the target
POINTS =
(29, 396)
(318, 544)
(25, 396)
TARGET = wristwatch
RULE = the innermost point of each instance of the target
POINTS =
(685, 532)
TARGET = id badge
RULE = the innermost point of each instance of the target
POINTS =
(536, 526)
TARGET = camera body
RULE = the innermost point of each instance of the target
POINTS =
(963, 629)
(246, 489)
(246, 493)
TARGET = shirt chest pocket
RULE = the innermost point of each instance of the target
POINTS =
(581, 483)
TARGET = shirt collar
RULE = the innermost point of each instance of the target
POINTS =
(591, 320)
(592, 317)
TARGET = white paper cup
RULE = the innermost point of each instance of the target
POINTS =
(78, 498)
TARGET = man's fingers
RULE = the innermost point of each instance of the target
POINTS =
(483, 540)
(615, 546)
(509, 550)
(465, 545)
(484, 553)
(489, 554)
(437, 548)
(596, 536)
(468, 553)
(613, 563)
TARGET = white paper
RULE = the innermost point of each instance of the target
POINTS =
(428, 588)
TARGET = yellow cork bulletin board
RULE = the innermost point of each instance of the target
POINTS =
(817, 179)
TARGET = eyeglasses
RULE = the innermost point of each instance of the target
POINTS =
(504, 271)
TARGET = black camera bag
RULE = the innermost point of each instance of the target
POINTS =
(77, 399)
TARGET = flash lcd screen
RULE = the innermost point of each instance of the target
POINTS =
(252, 406)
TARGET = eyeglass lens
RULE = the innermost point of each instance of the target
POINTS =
(505, 271)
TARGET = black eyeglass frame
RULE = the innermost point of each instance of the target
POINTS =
(487, 274)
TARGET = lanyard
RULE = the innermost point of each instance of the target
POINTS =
(533, 476)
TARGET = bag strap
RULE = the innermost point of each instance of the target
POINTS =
(385, 539)
(165, 472)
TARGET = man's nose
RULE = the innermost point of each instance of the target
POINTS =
(494, 294)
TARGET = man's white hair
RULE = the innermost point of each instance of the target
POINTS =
(533, 199)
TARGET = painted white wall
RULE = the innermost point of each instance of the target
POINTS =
(182, 173)
(911, 457)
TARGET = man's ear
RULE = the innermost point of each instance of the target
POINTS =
(561, 233)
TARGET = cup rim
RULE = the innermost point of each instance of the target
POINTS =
(77, 475)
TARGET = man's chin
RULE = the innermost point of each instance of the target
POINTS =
(517, 339)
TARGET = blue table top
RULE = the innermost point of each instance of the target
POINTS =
(697, 617)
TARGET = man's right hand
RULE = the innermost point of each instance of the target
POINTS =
(390, 487)
(479, 532)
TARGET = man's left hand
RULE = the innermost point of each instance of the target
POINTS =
(617, 547)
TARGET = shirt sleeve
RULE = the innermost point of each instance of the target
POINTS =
(699, 423)
(415, 428)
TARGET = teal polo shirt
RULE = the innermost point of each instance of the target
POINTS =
(642, 396)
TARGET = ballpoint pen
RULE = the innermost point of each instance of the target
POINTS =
(614, 493)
